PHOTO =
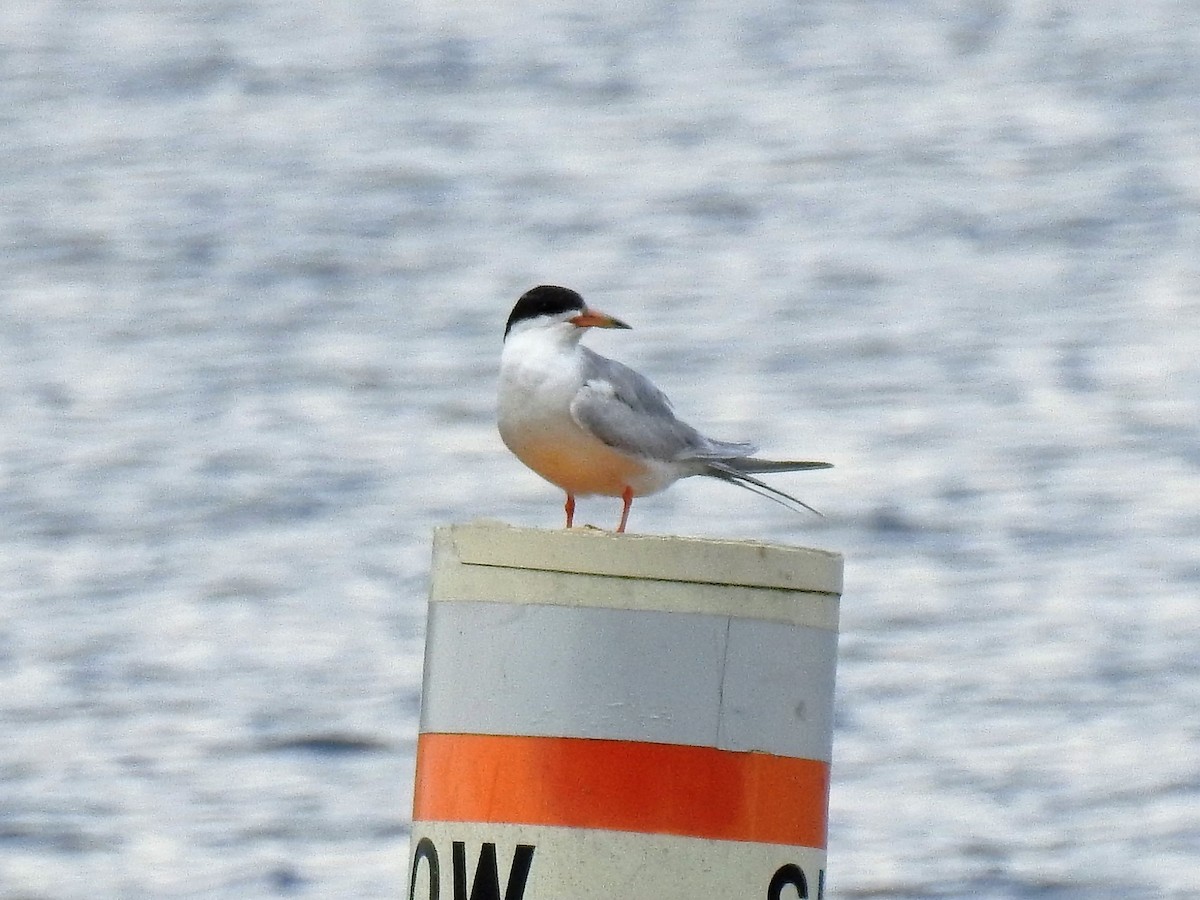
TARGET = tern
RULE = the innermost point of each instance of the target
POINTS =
(591, 425)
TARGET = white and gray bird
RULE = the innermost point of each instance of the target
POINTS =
(594, 426)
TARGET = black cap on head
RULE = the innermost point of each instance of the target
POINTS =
(544, 300)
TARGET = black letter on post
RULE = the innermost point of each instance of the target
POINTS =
(519, 873)
(425, 850)
(785, 875)
(486, 885)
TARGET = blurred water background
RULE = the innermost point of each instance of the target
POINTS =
(257, 256)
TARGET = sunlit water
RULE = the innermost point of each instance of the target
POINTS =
(257, 258)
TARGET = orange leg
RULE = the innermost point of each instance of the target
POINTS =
(627, 499)
(570, 508)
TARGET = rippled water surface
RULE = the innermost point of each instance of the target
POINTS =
(257, 257)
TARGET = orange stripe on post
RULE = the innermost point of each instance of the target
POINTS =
(697, 792)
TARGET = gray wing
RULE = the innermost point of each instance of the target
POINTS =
(624, 410)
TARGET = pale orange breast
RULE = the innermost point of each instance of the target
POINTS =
(582, 466)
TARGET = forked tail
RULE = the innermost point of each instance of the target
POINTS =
(737, 471)
(745, 464)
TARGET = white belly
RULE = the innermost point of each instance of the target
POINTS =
(536, 425)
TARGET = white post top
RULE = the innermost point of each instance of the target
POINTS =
(587, 551)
